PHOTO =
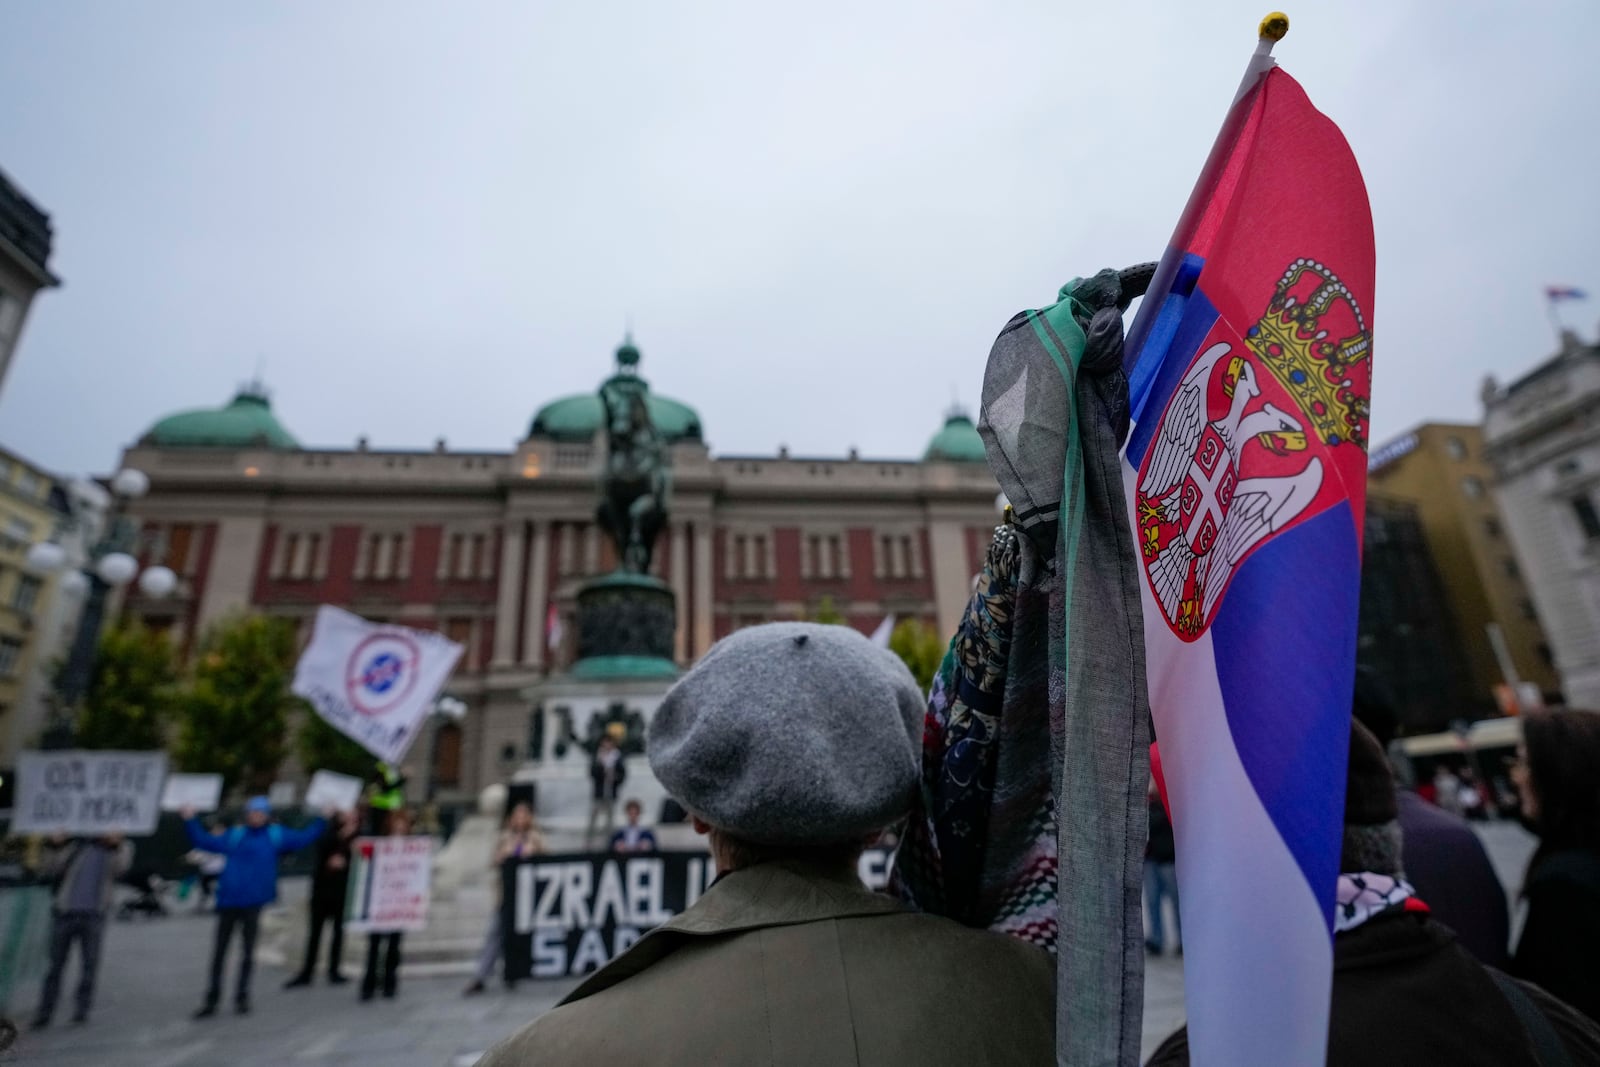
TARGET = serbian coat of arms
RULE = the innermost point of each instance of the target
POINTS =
(1241, 452)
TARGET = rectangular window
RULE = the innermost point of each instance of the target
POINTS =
(477, 553)
(25, 594)
(180, 539)
(1511, 568)
(27, 483)
(741, 556)
(10, 652)
(759, 543)
(451, 566)
(1528, 610)
(1491, 528)
(1588, 517)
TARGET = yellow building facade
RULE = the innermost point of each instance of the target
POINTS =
(1441, 469)
(31, 509)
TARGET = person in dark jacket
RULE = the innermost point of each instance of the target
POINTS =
(1557, 776)
(607, 771)
(1404, 990)
(249, 882)
(87, 871)
(1160, 877)
(329, 880)
(1446, 862)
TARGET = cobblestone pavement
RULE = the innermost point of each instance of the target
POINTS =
(153, 973)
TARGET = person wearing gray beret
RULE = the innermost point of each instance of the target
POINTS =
(793, 733)
(792, 746)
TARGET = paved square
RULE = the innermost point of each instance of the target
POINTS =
(153, 975)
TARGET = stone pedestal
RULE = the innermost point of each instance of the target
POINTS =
(625, 628)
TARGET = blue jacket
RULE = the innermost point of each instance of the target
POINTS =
(251, 877)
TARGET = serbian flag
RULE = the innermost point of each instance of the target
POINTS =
(1554, 293)
(1249, 368)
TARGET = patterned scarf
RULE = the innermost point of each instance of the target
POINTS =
(1363, 895)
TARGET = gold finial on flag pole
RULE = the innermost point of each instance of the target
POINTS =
(1273, 27)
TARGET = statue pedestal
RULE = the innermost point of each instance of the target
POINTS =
(625, 628)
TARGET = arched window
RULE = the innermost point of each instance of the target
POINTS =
(447, 756)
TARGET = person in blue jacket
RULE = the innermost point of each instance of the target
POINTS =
(248, 883)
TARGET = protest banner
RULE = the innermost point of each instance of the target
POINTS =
(375, 684)
(202, 792)
(88, 793)
(568, 915)
(390, 881)
(329, 789)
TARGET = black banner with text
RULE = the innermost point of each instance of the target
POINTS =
(563, 916)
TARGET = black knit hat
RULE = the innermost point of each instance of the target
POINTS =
(1369, 783)
(1371, 839)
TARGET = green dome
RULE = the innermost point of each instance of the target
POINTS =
(247, 422)
(578, 418)
(958, 442)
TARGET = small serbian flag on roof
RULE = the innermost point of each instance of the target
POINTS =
(1250, 366)
(1554, 293)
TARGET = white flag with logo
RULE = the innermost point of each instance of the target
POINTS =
(373, 683)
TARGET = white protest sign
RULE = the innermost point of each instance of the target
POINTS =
(374, 684)
(88, 793)
(329, 789)
(390, 879)
(202, 792)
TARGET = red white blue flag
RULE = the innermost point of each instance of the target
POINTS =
(1250, 368)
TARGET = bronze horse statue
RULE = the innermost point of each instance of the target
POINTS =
(634, 487)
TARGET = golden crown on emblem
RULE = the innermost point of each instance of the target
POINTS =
(1292, 342)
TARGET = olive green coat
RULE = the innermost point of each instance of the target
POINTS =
(786, 964)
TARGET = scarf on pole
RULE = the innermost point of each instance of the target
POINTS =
(1050, 659)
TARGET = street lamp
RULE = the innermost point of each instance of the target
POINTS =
(110, 566)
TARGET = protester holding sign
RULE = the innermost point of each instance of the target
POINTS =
(792, 745)
(633, 837)
(87, 871)
(384, 937)
(249, 882)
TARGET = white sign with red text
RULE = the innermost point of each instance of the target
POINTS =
(390, 881)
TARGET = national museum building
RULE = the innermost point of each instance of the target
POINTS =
(491, 547)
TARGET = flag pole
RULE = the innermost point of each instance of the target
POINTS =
(1168, 305)
(1270, 31)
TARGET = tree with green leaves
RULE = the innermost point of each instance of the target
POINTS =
(827, 613)
(920, 647)
(322, 748)
(234, 716)
(131, 691)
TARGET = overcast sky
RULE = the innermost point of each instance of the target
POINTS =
(428, 219)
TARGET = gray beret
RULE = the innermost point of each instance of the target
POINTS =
(792, 733)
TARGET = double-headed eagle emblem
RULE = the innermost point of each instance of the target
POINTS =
(1238, 455)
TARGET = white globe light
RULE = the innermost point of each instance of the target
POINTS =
(91, 494)
(46, 556)
(157, 582)
(75, 583)
(130, 483)
(117, 568)
(1001, 503)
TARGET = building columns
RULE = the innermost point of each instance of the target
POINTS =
(702, 587)
(505, 612)
(533, 636)
(679, 565)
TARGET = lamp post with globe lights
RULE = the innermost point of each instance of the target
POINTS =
(111, 565)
